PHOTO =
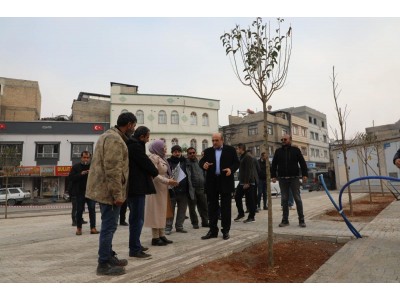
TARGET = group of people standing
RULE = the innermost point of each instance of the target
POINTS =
(153, 185)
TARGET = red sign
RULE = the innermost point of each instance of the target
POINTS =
(27, 171)
(63, 170)
(2, 126)
(98, 127)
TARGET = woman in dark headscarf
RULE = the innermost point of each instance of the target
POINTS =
(156, 204)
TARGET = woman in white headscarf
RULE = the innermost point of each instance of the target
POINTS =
(156, 204)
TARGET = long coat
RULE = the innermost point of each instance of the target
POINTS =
(109, 169)
(156, 204)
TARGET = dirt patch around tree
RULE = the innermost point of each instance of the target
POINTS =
(294, 260)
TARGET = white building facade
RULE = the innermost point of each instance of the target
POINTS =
(179, 120)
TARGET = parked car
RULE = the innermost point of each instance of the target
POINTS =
(15, 195)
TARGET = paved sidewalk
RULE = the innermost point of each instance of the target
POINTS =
(46, 249)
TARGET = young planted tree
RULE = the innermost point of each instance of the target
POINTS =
(342, 117)
(260, 58)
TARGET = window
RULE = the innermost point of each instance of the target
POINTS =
(193, 143)
(284, 131)
(269, 129)
(270, 151)
(174, 142)
(205, 120)
(323, 124)
(295, 130)
(325, 153)
(124, 111)
(47, 150)
(253, 129)
(258, 152)
(10, 154)
(204, 144)
(315, 121)
(310, 120)
(316, 136)
(193, 118)
(140, 116)
(162, 117)
(325, 138)
(312, 150)
(174, 117)
(77, 149)
(304, 151)
(303, 131)
(317, 152)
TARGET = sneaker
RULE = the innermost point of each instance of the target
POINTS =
(118, 262)
(109, 269)
(141, 254)
(284, 224)
(249, 220)
(123, 224)
(238, 218)
(302, 224)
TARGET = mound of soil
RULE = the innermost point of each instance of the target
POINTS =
(294, 260)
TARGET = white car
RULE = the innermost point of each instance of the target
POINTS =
(15, 195)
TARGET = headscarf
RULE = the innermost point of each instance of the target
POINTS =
(157, 147)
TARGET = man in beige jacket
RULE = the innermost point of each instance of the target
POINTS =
(107, 184)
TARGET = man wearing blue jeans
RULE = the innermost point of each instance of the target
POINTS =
(107, 184)
(142, 172)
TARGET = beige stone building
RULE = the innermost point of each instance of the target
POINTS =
(89, 107)
(20, 100)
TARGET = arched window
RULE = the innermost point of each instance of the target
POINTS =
(193, 143)
(204, 144)
(174, 142)
(162, 117)
(174, 117)
(140, 116)
(205, 119)
(124, 111)
(193, 118)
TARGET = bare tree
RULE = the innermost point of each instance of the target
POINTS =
(260, 59)
(342, 117)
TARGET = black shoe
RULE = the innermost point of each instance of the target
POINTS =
(209, 235)
(144, 249)
(249, 220)
(123, 224)
(283, 224)
(247, 211)
(165, 240)
(186, 217)
(84, 222)
(196, 226)
(238, 218)
(181, 230)
(74, 224)
(302, 224)
(109, 269)
(206, 225)
(158, 242)
(141, 254)
(225, 236)
(118, 262)
(265, 208)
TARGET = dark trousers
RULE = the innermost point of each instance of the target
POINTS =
(136, 220)
(293, 184)
(250, 201)
(73, 212)
(80, 207)
(122, 212)
(262, 192)
(109, 219)
(200, 202)
(213, 198)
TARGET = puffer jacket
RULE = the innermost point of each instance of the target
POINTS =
(109, 169)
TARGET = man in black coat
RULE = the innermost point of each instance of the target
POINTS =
(78, 178)
(285, 166)
(220, 163)
(140, 183)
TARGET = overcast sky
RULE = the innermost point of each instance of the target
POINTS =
(184, 56)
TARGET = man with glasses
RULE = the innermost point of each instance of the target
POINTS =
(197, 197)
(285, 167)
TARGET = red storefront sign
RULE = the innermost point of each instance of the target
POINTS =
(63, 170)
